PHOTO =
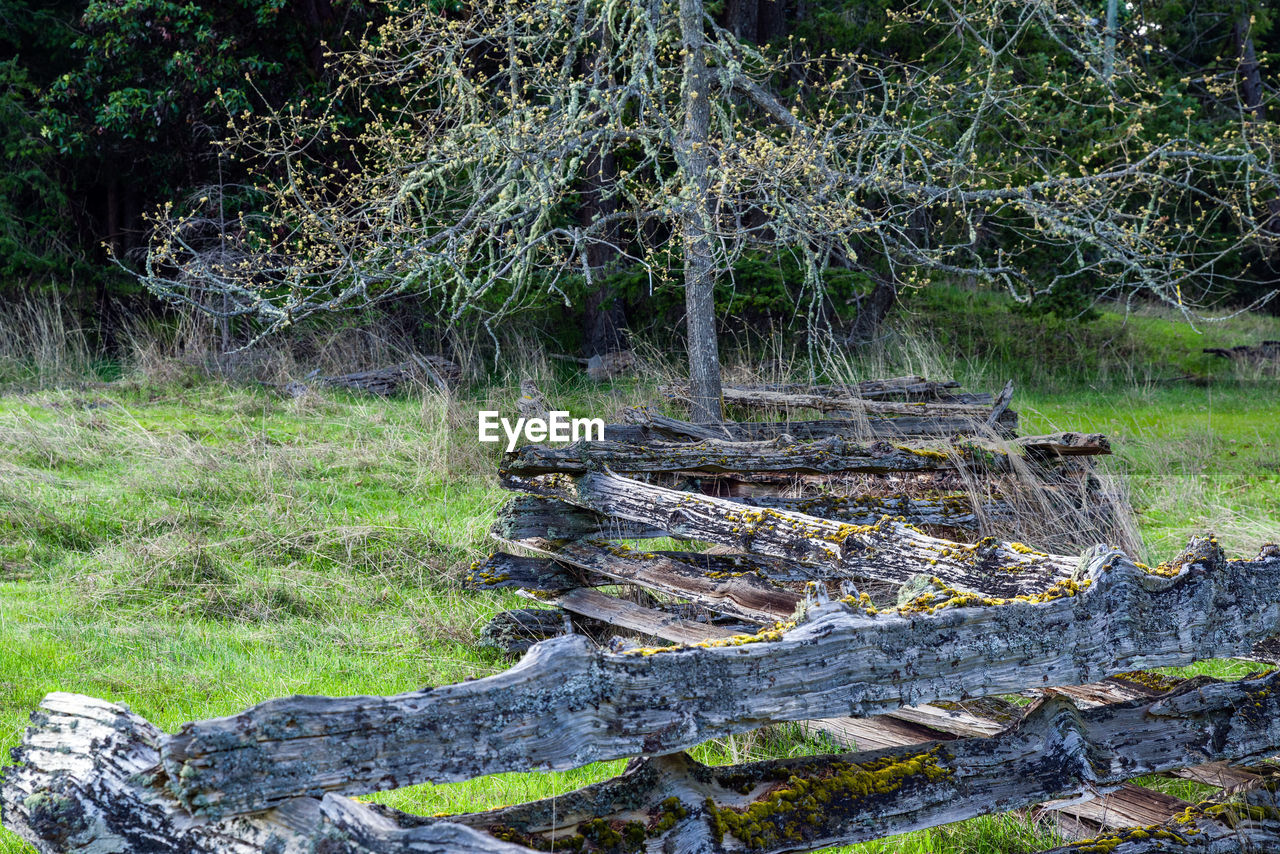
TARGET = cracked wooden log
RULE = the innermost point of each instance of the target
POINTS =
(787, 401)
(527, 517)
(646, 424)
(531, 517)
(887, 551)
(1056, 751)
(916, 723)
(1229, 825)
(917, 390)
(565, 704)
(87, 781)
(822, 456)
(952, 510)
(726, 584)
(1065, 445)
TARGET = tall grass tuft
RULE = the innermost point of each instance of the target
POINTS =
(42, 346)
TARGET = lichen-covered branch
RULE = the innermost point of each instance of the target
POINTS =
(886, 551)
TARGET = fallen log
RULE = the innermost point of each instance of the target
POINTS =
(788, 401)
(531, 517)
(887, 551)
(952, 510)
(565, 705)
(387, 381)
(645, 425)
(87, 782)
(1056, 751)
(822, 456)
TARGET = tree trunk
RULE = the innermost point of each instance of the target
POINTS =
(604, 323)
(872, 309)
(742, 18)
(695, 222)
(1250, 71)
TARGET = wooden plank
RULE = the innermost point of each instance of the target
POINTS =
(1126, 806)
(637, 618)
(1065, 444)
(887, 551)
(1214, 827)
(736, 591)
(566, 704)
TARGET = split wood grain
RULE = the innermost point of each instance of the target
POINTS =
(887, 551)
(565, 704)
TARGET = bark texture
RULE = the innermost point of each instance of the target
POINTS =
(565, 705)
(88, 782)
(696, 222)
(886, 551)
(822, 456)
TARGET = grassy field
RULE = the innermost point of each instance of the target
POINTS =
(191, 546)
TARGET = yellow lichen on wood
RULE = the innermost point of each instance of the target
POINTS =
(800, 806)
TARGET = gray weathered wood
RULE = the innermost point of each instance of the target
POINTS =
(821, 456)
(646, 425)
(726, 584)
(1250, 823)
(86, 783)
(952, 510)
(637, 618)
(565, 704)
(1057, 751)
(886, 551)
(527, 517)
(766, 399)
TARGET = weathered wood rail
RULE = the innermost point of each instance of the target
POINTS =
(828, 608)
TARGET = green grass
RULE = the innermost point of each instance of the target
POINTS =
(192, 548)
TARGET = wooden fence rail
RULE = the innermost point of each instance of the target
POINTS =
(828, 608)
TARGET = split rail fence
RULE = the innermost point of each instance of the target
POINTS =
(829, 596)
